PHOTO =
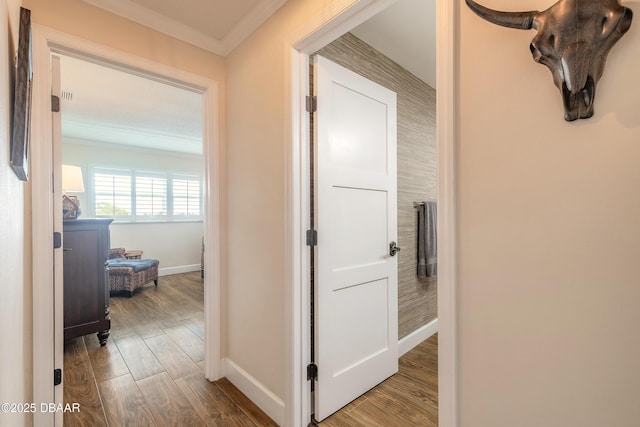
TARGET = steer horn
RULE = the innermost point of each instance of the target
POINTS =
(517, 20)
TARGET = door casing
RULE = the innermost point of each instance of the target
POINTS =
(338, 18)
(44, 158)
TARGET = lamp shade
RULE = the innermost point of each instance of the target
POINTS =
(72, 179)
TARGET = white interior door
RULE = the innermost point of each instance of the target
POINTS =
(356, 308)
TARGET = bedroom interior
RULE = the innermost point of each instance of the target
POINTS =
(138, 149)
(138, 143)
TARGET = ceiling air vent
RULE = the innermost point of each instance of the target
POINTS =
(66, 95)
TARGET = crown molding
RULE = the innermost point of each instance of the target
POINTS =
(249, 23)
(122, 135)
(72, 140)
(149, 18)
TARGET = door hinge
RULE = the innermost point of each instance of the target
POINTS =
(312, 237)
(57, 376)
(312, 372)
(312, 104)
(55, 104)
(57, 240)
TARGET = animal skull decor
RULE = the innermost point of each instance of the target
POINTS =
(573, 41)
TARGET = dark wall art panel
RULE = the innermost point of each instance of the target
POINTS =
(22, 100)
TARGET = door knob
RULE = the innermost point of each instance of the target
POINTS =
(394, 248)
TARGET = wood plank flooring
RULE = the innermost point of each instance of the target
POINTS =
(409, 398)
(150, 373)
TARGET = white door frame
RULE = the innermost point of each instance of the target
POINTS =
(339, 17)
(45, 42)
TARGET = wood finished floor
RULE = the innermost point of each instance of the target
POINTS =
(151, 371)
(408, 398)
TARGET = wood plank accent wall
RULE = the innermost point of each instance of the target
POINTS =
(417, 298)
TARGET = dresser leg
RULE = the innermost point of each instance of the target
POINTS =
(102, 337)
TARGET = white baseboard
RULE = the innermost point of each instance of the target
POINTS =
(417, 336)
(177, 270)
(271, 404)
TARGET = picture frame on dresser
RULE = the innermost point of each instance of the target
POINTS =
(69, 207)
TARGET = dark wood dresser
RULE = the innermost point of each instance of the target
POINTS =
(86, 279)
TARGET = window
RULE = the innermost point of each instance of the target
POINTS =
(112, 189)
(131, 195)
(186, 196)
(151, 196)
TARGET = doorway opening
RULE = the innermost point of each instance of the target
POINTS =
(414, 298)
(324, 32)
(46, 157)
(137, 143)
(356, 264)
(318, 34)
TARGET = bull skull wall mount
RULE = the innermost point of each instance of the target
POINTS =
(573, 41)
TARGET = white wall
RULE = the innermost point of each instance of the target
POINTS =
(178, 245)
(15, 235)
(549, 236)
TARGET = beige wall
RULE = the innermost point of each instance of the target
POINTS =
(15, 249)
(91, 23)
(255, 164)
(417, 298)
(549, 237)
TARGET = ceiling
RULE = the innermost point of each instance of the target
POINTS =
(214, 25)
(104, 105)
(406, 33)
